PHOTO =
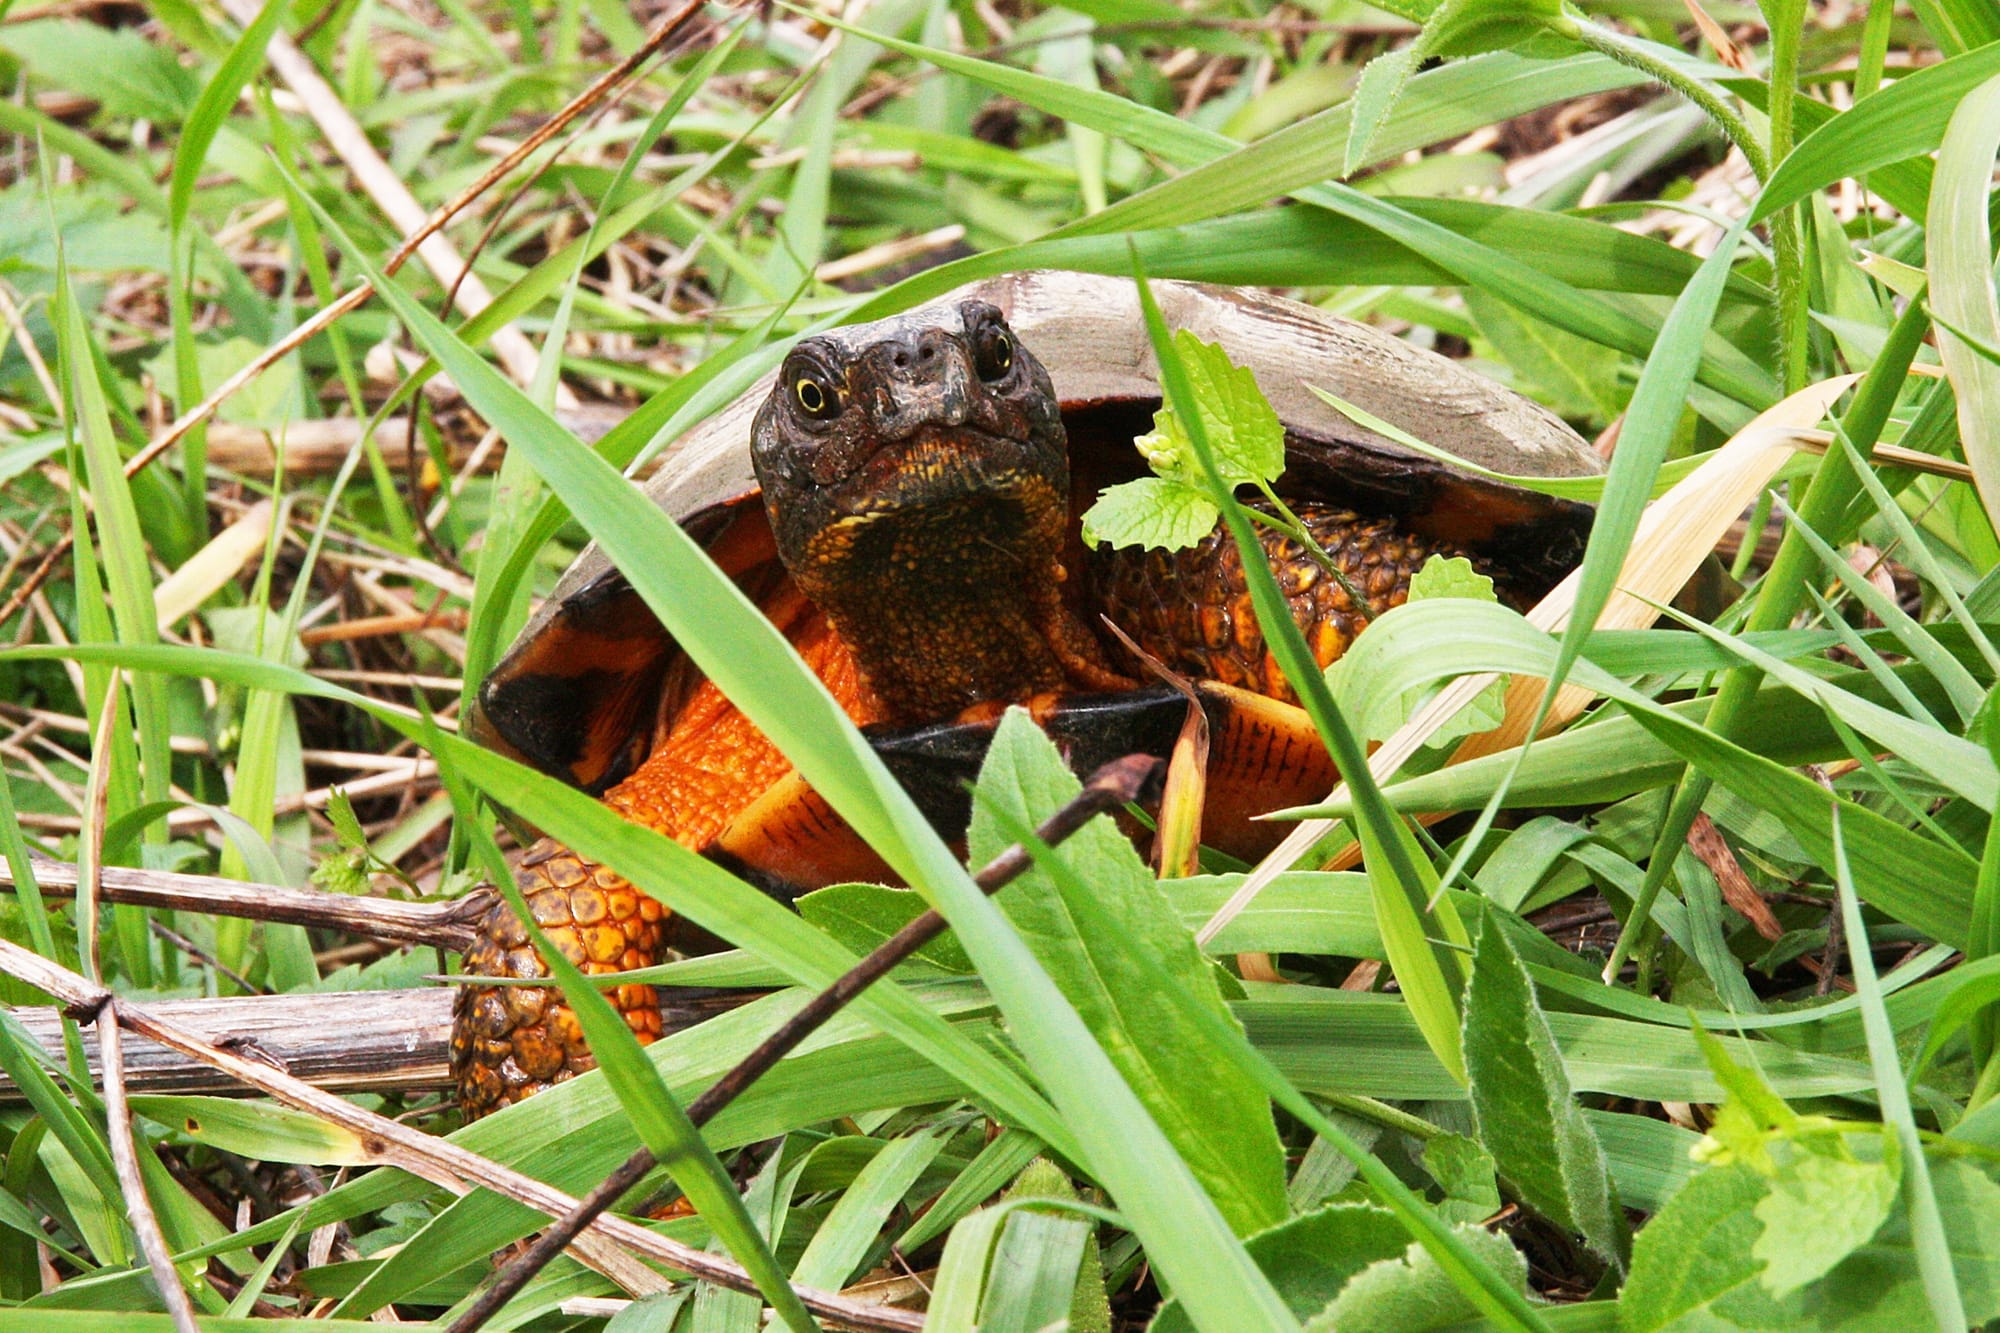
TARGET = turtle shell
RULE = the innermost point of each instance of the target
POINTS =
(590, 679)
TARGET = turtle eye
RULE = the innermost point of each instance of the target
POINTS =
(994, 354)
(815, 396)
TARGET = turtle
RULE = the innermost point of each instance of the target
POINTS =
(902, 498)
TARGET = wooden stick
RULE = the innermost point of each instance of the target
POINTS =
(131, 1183)
(446, 925)
(342, 1041)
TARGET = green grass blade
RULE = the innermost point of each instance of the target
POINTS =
(1421, 933)
(218, 99)
(1905, 120)
(1961, 278)
(1927, 1233)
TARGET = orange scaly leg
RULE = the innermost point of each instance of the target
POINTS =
(511, 1041)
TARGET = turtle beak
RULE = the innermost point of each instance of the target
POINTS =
(917, 383)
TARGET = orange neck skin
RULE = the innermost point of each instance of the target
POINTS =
(714, 761)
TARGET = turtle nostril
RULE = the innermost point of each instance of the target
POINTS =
(902, 359)
(927, 353)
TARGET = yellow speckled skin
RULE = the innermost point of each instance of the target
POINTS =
(510, 1041)
(1191, 608)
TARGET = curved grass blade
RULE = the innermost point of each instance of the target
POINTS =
(1927, 1234)
(1905, 120)
(1961, 278)
(1422, 935)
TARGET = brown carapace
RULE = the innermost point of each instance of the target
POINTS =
(917, 491)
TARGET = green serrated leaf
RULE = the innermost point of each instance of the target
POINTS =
(1694, 1251)
(1242, 430)
(1522, 1102)
(1412, 1294)
(1451, 576)
(344, 872)
(346, 825)
(1382, 81)
(1821, 1209)
(1153, 512)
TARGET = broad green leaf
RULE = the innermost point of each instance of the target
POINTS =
(862, 916)
(1468, 27)
(1464, 1170)
(1242, 430)
(1820, 1209)
(1693, 1252)
(1694, 1271)
(1310, 1257)
(268, 400)
(1411, 1294)
(1523, 1104)
(1153, 512)
(120, 68)
(1221, 1127)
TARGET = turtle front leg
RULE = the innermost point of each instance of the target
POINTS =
(508, 1042)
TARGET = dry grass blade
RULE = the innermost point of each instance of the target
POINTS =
(1677, 532)
(214, 566)
(131, 1182)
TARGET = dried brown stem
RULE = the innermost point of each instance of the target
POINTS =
(445, 925)
(131, 1182)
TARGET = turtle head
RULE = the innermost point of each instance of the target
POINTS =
(916, 476)
(898, 418)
